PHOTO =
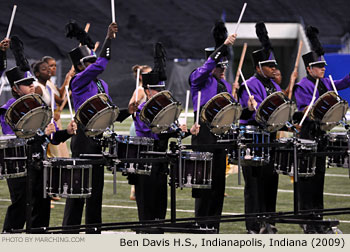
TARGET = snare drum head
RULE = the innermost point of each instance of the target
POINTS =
(166, 117)
(34, 120)
(333, 116)
(101, 120)
(223, 121)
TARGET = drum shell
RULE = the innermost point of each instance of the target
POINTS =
(337, 141)
(196, 170)
(284, 157)
(12, 147)
(131, 147)
(69, 180)
(249, 156)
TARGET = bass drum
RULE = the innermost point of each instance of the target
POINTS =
(275, 111)
(27, 115)
(220, 112)
(96, 114)
(329, 109)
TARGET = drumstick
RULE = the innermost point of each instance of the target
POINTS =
(198, 107)
(11, 21)
(291, 85)
(137, 83)
(96, 45)
(187, 101)
(240, 17)
(311, 103)
(113, 13)
(335, 89)
(240, 64)
(246, 86)
(52, 108)
(2, 86)
(69, 103)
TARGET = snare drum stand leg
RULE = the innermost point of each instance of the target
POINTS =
(239, 144)
(296, 177)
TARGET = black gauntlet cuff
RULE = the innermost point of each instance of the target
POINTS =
(220, 52)
(106, 49)
(3, 62)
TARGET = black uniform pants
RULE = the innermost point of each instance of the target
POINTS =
(16, 213)
(260, 192)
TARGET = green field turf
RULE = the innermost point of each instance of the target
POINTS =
(119, 208)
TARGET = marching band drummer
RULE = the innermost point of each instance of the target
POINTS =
(22, 84)
(151, 191)
(85, 85)
(210, 80)
(261, 183)
(311, 188)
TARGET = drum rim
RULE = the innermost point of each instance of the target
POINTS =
(142, 112)
(14, 141)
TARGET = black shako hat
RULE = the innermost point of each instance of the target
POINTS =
(80, 54)
(264, 55)
(316, 55)
(18, 77)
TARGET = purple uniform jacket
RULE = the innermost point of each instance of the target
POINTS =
(84, 85)
(203, 80)
(6, 129)
(305, 88)
(256, 89)
(141, 128)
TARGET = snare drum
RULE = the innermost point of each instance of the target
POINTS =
(131, 147)
(338, 141)
(12, 157)
(284, 157)
(196, 170)
(160, 111)
(27, 115)
(329, 109)
(275, 111)
(68, 177)
(250, 156)
(96, 114)
(220, 112)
